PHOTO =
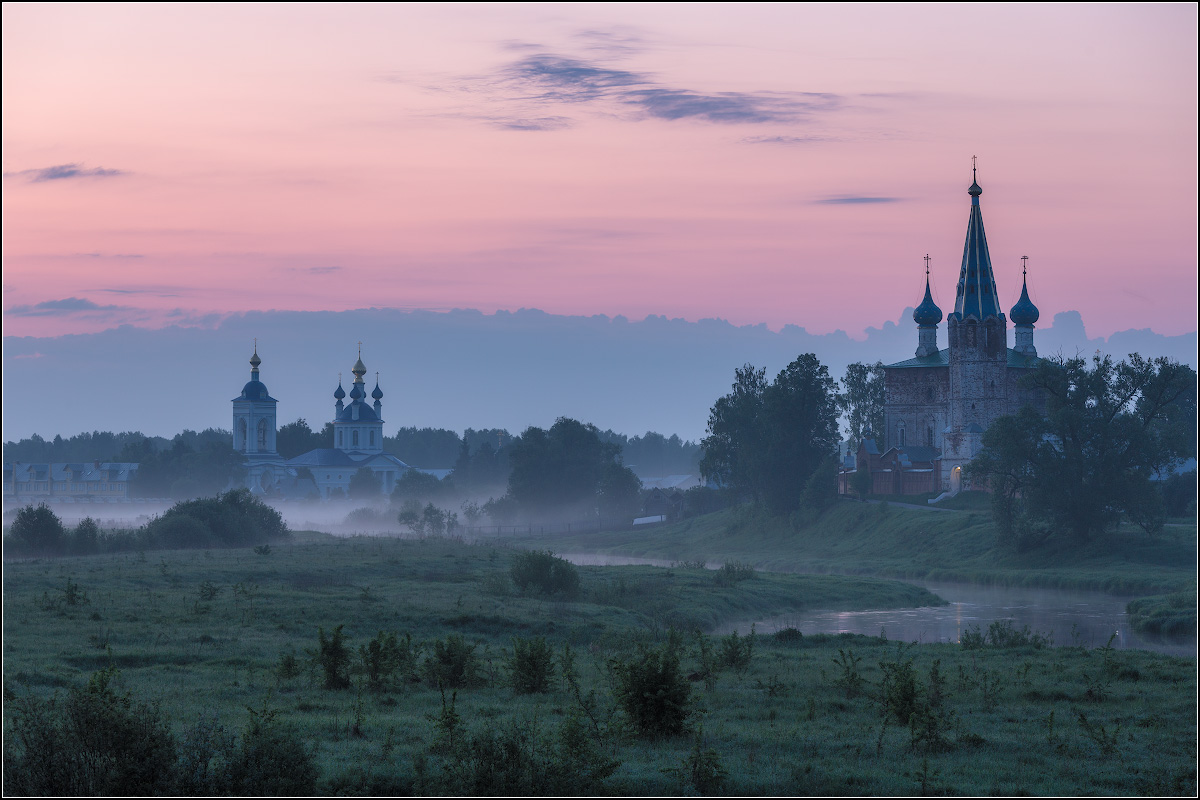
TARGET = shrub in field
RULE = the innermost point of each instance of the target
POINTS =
(85, 539)
(545, 573)
(38, 531)
(273, 761)
(737, 651)
(1001, 634)
(898, 691)
(532, 666)
(520, 759)
(334, 658)
(93, 741)
(388, 660)
(652, 690)
(233, 519)
(849, 680)
(732, 573)
(701, 771)
(452, 663)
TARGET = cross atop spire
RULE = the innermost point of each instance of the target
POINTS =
(1023, 265)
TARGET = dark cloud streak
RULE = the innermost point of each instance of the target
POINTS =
(853, 200)
(553, 79)
(64, 171)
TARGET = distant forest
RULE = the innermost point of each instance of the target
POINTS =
(650, 455)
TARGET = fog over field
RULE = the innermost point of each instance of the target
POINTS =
(453, 369)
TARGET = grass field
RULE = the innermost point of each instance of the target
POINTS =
(880, 539)
(207, 632)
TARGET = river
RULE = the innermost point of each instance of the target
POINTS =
(1071, 617)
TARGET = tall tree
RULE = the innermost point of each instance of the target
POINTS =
(765, 441)
(733, 449)
(1108, 430)
(564, 468)
(861, 401)
(296, 438)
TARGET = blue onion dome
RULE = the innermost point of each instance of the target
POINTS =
(356, 392)
(340, 392)
(378, 393)
(974, 191)
(357, 413)
(1024, 312)
(255, 390)
(927, 313)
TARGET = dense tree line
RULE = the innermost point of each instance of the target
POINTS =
(195, 464)
(1111, 431)
(83, 447)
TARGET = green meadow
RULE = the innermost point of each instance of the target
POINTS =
(610, 688)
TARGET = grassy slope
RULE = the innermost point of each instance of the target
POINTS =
(861, 538)
(783, 727)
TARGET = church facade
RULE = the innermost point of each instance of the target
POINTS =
(327, 471)
(938, 403)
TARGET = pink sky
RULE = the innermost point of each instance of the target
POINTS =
(756, 163)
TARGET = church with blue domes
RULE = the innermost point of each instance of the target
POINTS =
(357, 439)
(938, 403)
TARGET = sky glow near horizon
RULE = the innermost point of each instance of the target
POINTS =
(787, 165)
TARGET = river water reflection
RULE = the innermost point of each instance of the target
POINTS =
(1071, 617)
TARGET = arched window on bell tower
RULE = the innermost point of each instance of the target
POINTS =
(242, 442)
(354, 439)
(262, 434)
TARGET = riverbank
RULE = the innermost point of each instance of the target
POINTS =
(855, 538)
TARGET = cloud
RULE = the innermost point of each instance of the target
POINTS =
(856, 200)
(726, 107)
(568, 80)
(790, 140)
(64, 307)
(547, 78)
(111, 255)
(64, 171)
(531, 124)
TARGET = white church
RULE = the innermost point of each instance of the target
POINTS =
(357, 432)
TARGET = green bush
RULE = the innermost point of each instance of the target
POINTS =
(736, 651)
(273, 761)
(518, 760)
(652, 690)
(233, 519)
(37, 530)
(545, 573)
(532, 666)
(387, 660)
(334, 658)
(452, 663)
(732, 573)
(85, 539)
(92, 742)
